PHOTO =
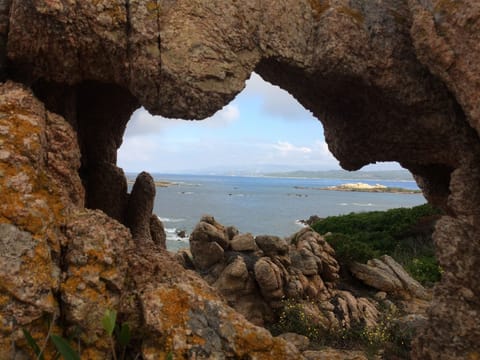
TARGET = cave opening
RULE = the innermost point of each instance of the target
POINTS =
(254, 164)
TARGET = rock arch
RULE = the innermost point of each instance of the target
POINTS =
(396, 80)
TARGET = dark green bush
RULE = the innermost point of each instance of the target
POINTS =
(404, 234)
(424, 269)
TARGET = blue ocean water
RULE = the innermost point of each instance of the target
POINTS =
(264, 205)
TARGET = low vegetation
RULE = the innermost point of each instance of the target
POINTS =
(405, 234)
(388, 337)
(118, 334)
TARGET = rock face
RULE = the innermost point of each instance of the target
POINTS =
(392, 80)
(260, 280)
(64, 264)
(187, 317)
(385, 274)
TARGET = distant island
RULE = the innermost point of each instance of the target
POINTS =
(395, 175)
(361, 187)
(158, 183)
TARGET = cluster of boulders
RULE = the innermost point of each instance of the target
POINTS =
(259, 275)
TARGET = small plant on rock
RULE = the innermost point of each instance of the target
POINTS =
(116, 333)
(293, 318)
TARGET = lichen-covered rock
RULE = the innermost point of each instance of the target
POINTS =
(182, 315)
(64, 264)
(95, 270)
(40, 186)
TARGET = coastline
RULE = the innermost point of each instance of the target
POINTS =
(362, 187)
(158, 183)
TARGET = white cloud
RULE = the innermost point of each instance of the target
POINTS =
(276, 102)
(285, 148)
(224, 117)
(142, 123)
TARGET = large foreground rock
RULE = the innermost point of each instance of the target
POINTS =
(63, 264)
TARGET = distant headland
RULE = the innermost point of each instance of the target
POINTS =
(395, 175)
(362, 187)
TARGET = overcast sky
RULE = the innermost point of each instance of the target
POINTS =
(263, 129)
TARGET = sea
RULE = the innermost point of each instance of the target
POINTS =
(263, 205)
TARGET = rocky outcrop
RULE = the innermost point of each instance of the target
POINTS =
(39, 159)
(260, 280)
(395, 80)
(140, 207)
(181, 314)
(64, 265)
(157, 232)
(385, 274)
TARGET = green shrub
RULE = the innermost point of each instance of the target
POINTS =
(400, 233)
(424, 269)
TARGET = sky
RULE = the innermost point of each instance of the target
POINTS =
(263, 129)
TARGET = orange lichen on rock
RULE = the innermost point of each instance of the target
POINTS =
(319, 7)
(34, 206)
(184, 316)
(95, 274)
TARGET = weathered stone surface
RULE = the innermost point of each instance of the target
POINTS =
(157, 232)
(269, 278)
(387, 275)
(25, 296)
(272, 245)
(208, 230)
(140, 207)
(95, 270)
(243, 242)
(381, 278)
(354, 310)
(186, 317)
(301, 342)
(409, 283)
(311, 253)
(40, 187)
(453, 313)
(256, 284)
(332, 354)
(67, 264)
(4, 24)
(446, 35)
(99, 113)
